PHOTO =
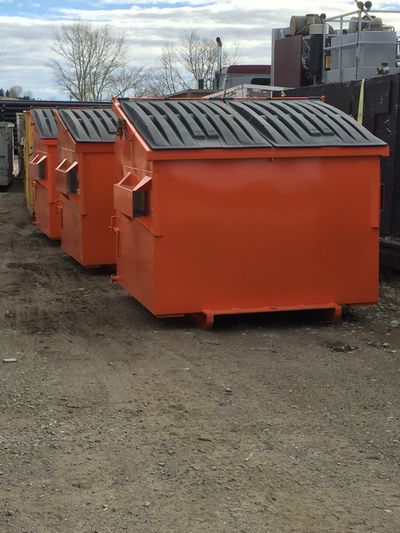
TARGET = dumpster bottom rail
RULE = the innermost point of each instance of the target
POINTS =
(205, 319)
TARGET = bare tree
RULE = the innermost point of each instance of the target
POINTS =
(91, 62)
(15, 91)
(169, 76)
(182, 65)
(128, 80)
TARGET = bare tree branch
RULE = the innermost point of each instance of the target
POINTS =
(91, 63)
(182, 65)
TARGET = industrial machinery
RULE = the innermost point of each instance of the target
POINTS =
(20, 126)
(6, 153)
(315, 49)
(28, 151)
(234, 75)
(246, 90)
(243, 206)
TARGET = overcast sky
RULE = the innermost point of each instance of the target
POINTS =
(27, 29)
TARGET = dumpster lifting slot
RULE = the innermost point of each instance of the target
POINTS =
(132, 200)
(141, 197)
(68, 176)
(39, 161)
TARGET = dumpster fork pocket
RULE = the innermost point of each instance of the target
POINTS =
(205, 319)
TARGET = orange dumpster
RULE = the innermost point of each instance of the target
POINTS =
(85, 176)
(243, 206)
(42, 172)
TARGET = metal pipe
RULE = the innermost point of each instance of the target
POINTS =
(337, 17)
(384, 11)
(358, 43)
(361, 13)
(219, 55)
(340, 50)
(342, 16)
(323, 69)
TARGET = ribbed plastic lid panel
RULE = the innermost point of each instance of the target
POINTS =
(44, 119)
(90, 125)
(188, 124)
(184, 124)
(304, 123)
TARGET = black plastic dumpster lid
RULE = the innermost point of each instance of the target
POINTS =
(89, 125)
(45, 122)
(304, 123)
(187, 124)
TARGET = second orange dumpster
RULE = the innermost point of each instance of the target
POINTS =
(85, 176)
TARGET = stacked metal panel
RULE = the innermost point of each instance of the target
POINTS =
(6, 153)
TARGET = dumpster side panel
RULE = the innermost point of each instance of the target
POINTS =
(381, 116)
(71, 227)
(135, 242)
(54, 212)
(70, 209)
(86, 214)
(250, 234)
(135, 259)
(97, 177)
(42, 218)
(47, 216)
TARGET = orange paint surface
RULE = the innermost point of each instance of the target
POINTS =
(247, 230)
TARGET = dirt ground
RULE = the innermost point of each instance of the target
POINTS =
(112, 420)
